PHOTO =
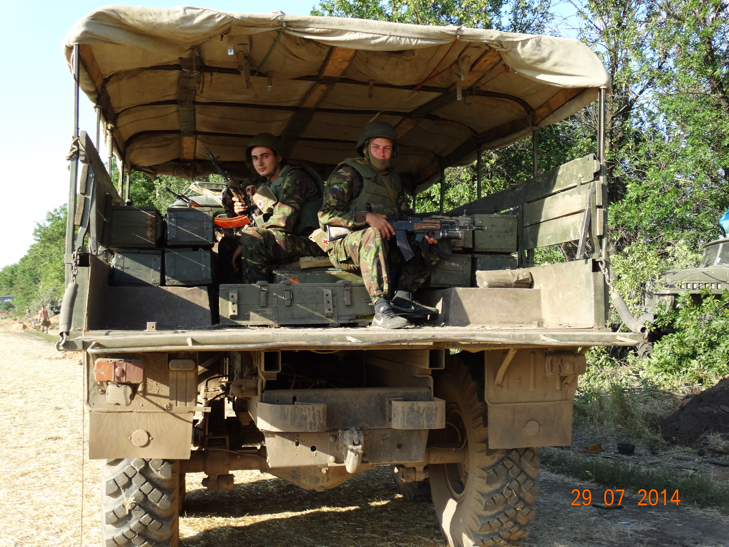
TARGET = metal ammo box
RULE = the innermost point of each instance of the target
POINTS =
(133, 227)
(190, 227)
(287, 303)
(454, 271)
(186, 267)
(494, 233)
(136, 267)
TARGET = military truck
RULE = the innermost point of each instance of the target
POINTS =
(183, 375)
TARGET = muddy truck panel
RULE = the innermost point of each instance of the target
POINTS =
(185, 375)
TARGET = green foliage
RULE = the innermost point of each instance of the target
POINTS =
(38, 278)
(7, 306)
(641, 262)
(697, 352)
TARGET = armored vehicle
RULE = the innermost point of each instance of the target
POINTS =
(712, 275)
(184, 375)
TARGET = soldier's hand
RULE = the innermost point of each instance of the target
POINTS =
(431, 240)
(238, 205)
(380, 222)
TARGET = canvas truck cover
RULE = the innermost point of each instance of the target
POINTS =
(172, 82)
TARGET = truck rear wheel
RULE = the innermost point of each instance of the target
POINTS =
(140, 502)
(487, 500)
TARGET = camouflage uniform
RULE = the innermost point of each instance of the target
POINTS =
(284, 236)
(365, 249)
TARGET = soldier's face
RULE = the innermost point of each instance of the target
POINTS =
(251, 190)
(265, 161)
(381, 148)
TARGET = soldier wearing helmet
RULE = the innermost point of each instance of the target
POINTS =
(283, 236)
(361, 195)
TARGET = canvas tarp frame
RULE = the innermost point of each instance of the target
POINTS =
(171, 82)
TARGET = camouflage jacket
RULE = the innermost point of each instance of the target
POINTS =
(341, 188)
(293, 191)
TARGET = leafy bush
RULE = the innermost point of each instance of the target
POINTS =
(697, 351)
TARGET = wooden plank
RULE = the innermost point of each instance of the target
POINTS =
(337, 62)
(306, 262)
(553, 232)
(187, 147)
(487, 61)
(315, 95)
(561, 178)
(404, 126)
(557, 101)
(557, 205)
(90, 156)
(186, 94)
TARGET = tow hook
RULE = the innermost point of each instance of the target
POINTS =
(352, 441)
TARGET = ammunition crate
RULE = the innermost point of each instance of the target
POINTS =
(282, 304)
(454, 271)
(136, 268)
(494, 233)
(135, 227)
(186, 267)
(190, 227)
(494, 261)
(315, 275)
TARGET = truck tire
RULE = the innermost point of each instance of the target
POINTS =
(488, 499)
(140, 502)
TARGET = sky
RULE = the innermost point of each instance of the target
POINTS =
(36, 118)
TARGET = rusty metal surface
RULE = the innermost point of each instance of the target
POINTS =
(470, 339)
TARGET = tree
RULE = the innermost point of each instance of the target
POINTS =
(683, 192)
(38, 278)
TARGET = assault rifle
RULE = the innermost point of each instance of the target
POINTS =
(184, 199)
(440, 230)
(251, 210)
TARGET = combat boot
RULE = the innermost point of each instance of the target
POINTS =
(386, 318)
(404, 305)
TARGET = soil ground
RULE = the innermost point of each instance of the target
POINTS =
(701, 414)
(50, 490)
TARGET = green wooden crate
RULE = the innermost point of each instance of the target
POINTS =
(282, 304)
(494, 233)
(136, 267)
(454, 271)
(132, 227)
(190, 227)
(315, 275)
(188, 268)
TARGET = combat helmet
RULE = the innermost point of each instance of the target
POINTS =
(267, 140)
(375, 130)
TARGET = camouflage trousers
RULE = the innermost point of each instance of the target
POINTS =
(263, 248)
(372, 255)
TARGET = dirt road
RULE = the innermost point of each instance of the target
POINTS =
(50, 491)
